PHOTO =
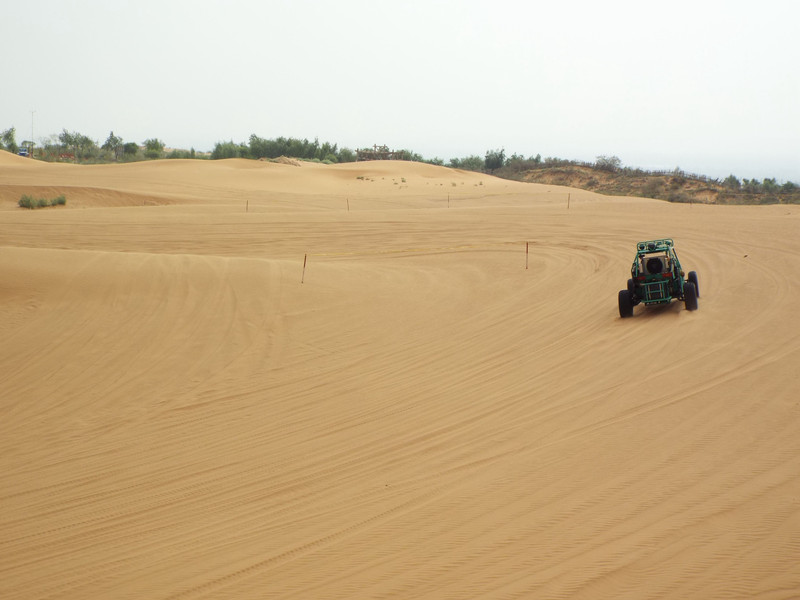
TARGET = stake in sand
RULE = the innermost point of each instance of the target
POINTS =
(303, 277)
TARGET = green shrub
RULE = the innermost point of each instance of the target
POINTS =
(653, 189)
(679, 197)
(228, 150)
(28, 201)
(469, 163)
(153, 148)
(180, 154)
(732, 182)
(608, 163)
(495, 159)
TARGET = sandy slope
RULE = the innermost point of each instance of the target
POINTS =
(422, 417)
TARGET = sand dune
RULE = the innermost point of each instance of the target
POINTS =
(421, 417)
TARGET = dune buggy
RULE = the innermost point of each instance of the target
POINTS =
(657, 278)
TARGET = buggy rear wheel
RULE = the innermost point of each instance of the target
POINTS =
(625, 304)
(690, 296)
(692, 277)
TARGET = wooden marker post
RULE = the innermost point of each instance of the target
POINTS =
(526, 256)
(247, 206)
(305, 258)
(568, 196)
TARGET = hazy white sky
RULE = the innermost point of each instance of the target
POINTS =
(710, 86)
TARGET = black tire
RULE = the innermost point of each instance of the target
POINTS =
(625, 304)
(692, 277)
(632, 292)
(689, 296)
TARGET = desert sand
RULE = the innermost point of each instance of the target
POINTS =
(186, 412)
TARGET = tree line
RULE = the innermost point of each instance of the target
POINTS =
(303, 149)
(258, 147)
(74, 146)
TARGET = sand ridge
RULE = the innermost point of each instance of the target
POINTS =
(421, 417)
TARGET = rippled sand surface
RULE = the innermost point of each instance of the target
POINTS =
(237, 379)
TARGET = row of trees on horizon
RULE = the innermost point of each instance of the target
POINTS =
(75, 147)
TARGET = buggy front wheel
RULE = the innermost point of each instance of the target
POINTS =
(632, 292)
